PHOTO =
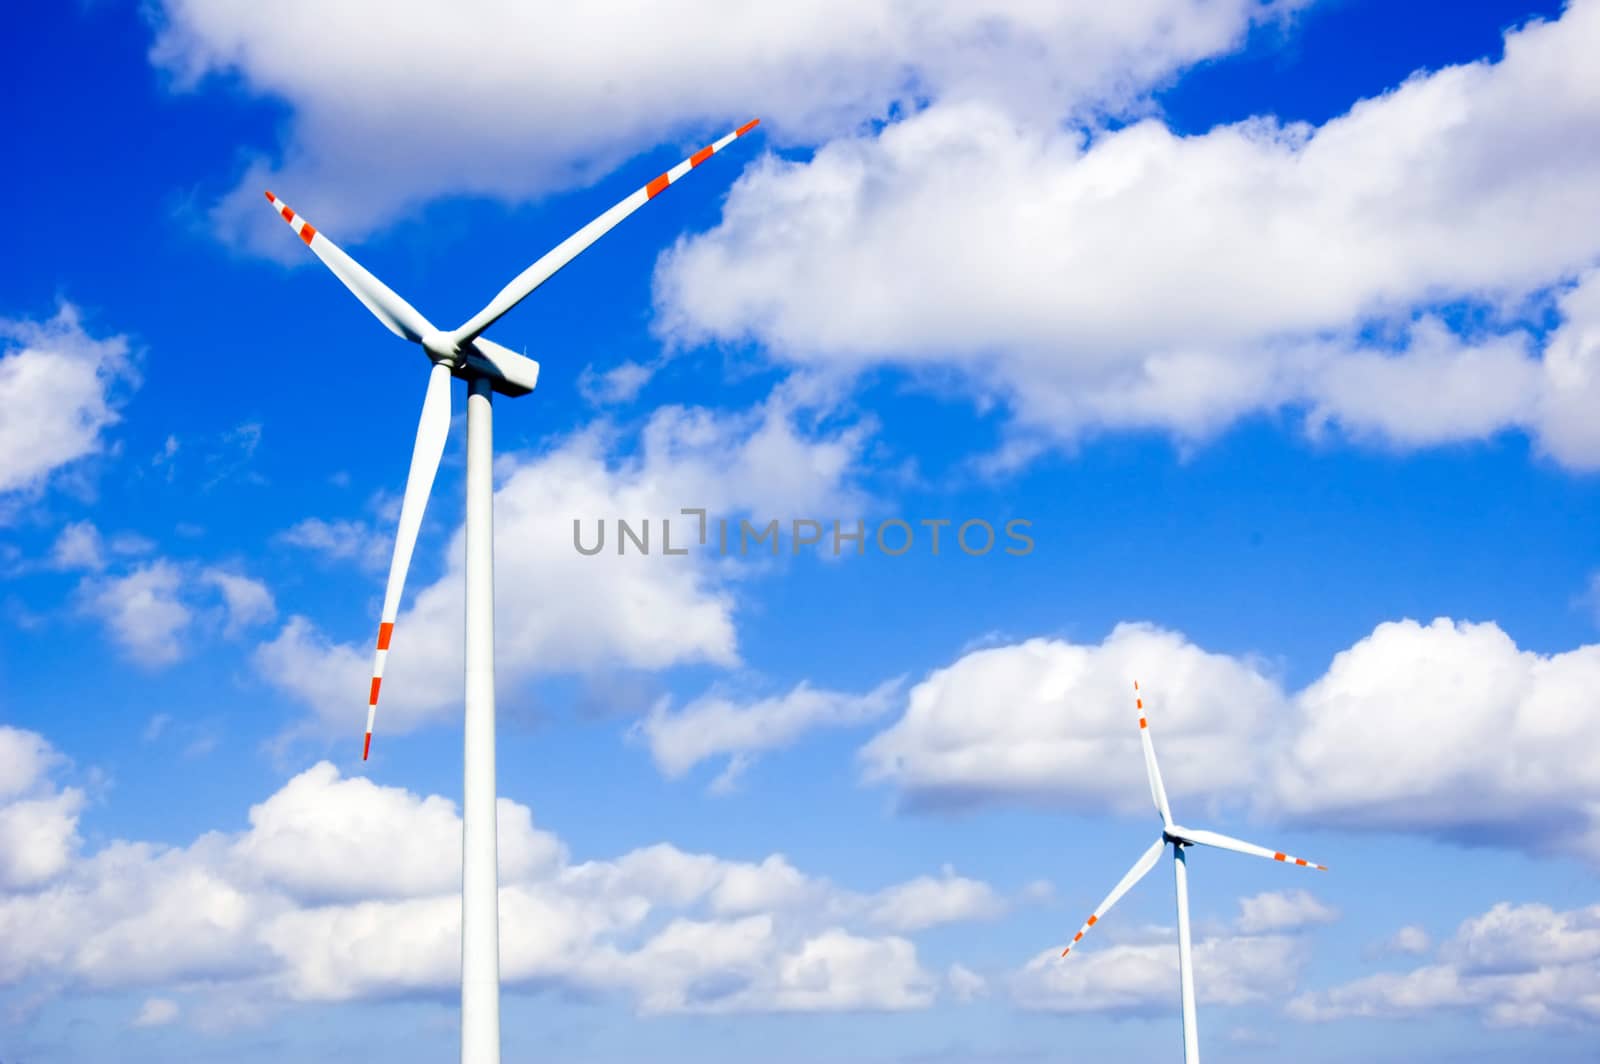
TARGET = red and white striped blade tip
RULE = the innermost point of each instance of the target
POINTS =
(305, 229)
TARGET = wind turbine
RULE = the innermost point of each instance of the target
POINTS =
(486, 367)
(1180, 838)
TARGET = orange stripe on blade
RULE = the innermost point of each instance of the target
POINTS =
(700, 156)
(366, 747)
(1278, 857)
(306, 233)
(1142, 723)
(373, 700)
(270, 196)
(288, 213)
(747, 127)
(385, 630)
(1093, 920)
(656, 187)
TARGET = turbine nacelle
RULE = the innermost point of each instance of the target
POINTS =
(508, 372)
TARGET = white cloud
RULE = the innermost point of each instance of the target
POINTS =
(1229, 970)
(928, 901)
(1513, 966)
(246, 602)
(713, 725)
(1410, 939)
(340, 889)
(156, 1012)
(59, 392)
(152, 611)
(966, 984)
(559, 610)
(1138, 278)
(366, 82)
(344, 540)
(25, 757)
(322, 838)
(1481, 741)
(620, 384)
(143, 612)
(1282, 910)
(37, 837)
(1055, 722)
(78, 546)
(38, 819)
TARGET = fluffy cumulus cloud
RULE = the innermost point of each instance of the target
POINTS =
(561, 610)
(714, 725)
(1516, 965)
(1493, 748)
(1055, 722)
(540, 98)
(1282, 911)
(311, 902)
(1136, 277)
(1143, 977)
(1137, 972)
(60, 388)
(38, 820)
(153, 611)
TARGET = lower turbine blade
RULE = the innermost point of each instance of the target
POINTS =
(1140, 869)
(432, 430)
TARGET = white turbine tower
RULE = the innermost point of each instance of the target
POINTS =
(1180, 838)
(486, 367)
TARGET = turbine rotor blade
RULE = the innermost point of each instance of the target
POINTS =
(1158, 790)
(1140, 869)
(400, 317)
(1225, 842)
(569, 249)
(432, 429)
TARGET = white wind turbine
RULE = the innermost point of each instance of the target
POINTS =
(486, 367)
(1179, 838)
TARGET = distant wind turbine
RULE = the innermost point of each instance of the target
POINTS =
(1180, 838)
(486, 367)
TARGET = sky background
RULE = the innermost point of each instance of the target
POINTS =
(1279, 322)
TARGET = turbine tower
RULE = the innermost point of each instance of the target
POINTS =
(486, 367)
(1180, 839)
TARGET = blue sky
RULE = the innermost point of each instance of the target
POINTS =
(1279, 323)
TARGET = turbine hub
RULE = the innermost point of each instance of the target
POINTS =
(443, 349)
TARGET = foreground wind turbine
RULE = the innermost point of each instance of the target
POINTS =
(486, 367)
(1180, 838)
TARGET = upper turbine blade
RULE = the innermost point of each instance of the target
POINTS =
(432, 429)
(401, 317)
(1224, 842)
(1158, 790)
(1140, 868)
(569, 249)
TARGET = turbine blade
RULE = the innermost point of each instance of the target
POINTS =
(432, 429)
(1224, 842)
(569, 249)
(1158, 790)
(1140, 869)
(401, 317)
